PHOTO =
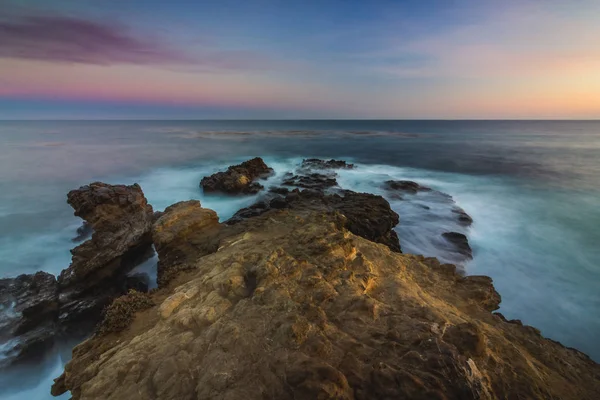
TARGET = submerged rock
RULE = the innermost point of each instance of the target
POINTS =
(405, 186)
(238, 179)
(121, 220)
(83, 232)
(310, 163)
(28, 314)
(460, 243)
(295, 306)
(464, 218)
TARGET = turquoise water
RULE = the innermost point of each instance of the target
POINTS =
(532, 187)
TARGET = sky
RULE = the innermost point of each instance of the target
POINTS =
(268, 59)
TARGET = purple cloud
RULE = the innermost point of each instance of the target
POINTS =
(64, 39)
(73, 40)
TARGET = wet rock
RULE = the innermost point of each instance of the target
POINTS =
(294, 306)
(121, 220)
(464, 218)
(279, 190)
(83, 232)
(28, 314)
(313, 181)
(405, 186)
(310, 163)
(460, 243)
(278, 203)
(238, 179)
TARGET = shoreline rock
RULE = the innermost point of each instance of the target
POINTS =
(238, 179)
(293, 305)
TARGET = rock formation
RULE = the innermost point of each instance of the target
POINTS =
(37, 308)
(238, 179)
(291, 304)
(121, 219)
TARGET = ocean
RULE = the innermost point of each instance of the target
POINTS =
(532, 188)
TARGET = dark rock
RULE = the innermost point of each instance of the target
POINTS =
(238, 179)
(278, 203)
(29, 305)
(405, 186)
(460, 242)
(464, 218)
(367, 215)
(279, 190)
(83, 232)
(122, 220)
(311, 181)
(323, 164)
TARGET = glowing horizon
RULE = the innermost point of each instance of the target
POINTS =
(425, 59)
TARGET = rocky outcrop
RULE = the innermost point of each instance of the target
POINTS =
(367, 215)
(295, 306)
(28, 314)
(121, 220)
(315, 163)
(238, 179)
(38, 308)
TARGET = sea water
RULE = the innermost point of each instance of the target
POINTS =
(532, 188)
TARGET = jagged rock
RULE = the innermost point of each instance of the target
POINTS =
(238, 179)
(121, 220)
(294, 306)
(367, 215)
(313, 181)
(184, 232)
(323, 164)
(460, 243)
(405, 186)
(28, 313)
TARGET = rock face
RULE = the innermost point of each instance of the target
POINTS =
(238, 179)
(367, 215)
(295, 306)
(121, 220)
(184, 232)
(28, 313)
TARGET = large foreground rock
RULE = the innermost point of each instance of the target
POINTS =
(292, 305)
(238, 179)
(121, 220)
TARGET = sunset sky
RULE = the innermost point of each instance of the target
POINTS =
(301, 59)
